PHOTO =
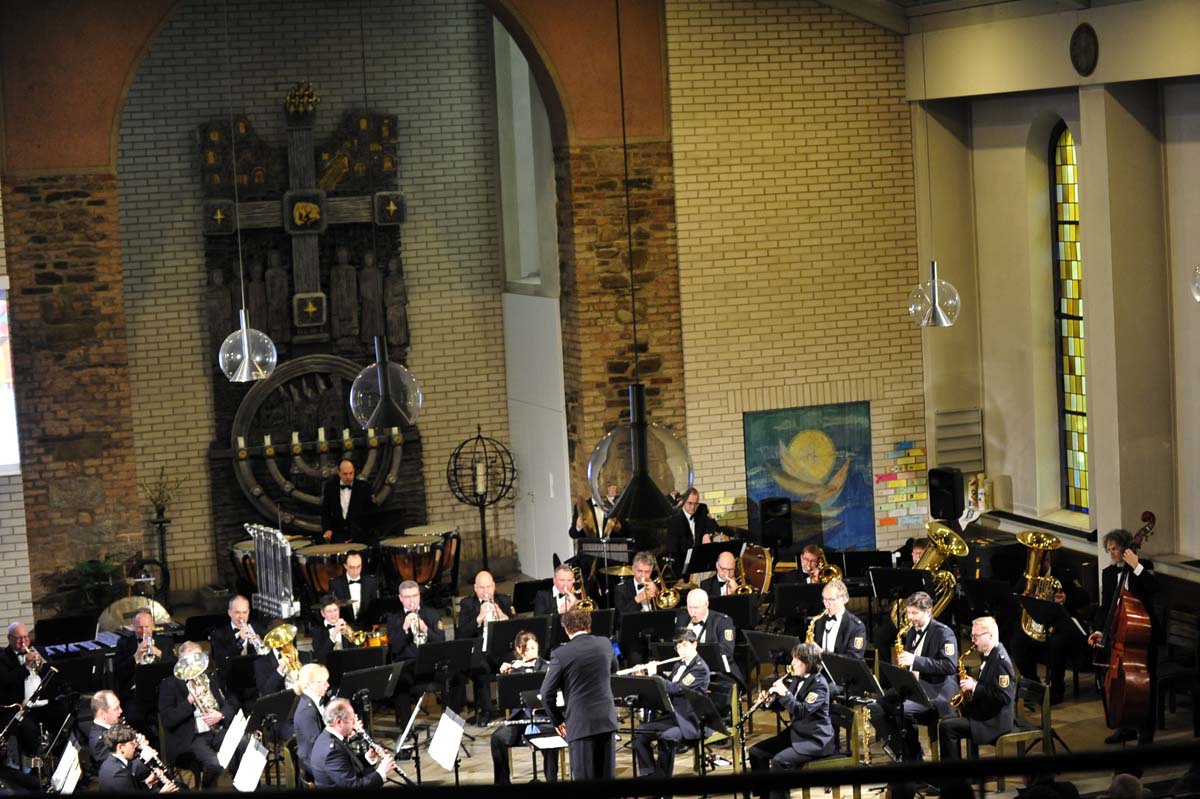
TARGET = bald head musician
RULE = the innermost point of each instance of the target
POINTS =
(345, 504)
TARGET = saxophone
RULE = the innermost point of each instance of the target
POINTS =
(810, 636)
(962, 696)
(899, 645)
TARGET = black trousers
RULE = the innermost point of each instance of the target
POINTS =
(777, 753)
(896, 723)
(504, 739)
(593, 757)
(954, 730)
(661, 734)
(1059, 650)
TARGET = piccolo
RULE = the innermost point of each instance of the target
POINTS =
(648, 666)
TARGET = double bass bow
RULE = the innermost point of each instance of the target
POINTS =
(1127, 638)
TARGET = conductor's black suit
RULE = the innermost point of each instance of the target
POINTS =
(580, 669)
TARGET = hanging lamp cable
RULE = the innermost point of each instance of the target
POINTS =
(628, 200)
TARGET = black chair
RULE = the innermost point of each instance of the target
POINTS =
(846, 728)
(1178, 660)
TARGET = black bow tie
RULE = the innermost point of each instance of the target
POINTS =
(329, 626)
(355, 581)
(347, 488)
(832, 621)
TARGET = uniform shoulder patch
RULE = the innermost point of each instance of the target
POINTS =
(688, 679)
(948, 649)
(811, 697)
(1003, 680)
(729, 635)
(858, 642)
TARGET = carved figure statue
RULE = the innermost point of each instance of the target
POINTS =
(395, 301)
(256, 297)
(343, 296)
(220, 312)
(370, 296)
(278, 292)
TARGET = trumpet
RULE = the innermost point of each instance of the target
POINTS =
(412, 623)
(957, 700)
(148, 656)
(649, 666)
(252, 639)
(33, 660)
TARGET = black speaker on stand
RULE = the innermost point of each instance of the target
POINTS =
(776, 515)
(947, 495)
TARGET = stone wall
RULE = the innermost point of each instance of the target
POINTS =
(69, 355)
(797, 235)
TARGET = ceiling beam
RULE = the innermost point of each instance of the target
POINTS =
(883, 13)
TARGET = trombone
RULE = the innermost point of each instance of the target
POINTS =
(582, 603)
(668, 598)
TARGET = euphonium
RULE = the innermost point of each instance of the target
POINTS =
(943, 543)
(962, 696)
(190, 669)
(826, 571)
(282, 639)
(743, 587)
(1041, 586)
(667, 598)
(811, 635)
(581, 589)
(899, 645)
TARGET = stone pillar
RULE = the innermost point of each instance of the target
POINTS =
(70, 359)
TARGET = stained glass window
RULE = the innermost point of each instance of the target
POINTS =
(1068, 317)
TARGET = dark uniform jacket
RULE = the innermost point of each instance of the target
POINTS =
(468, 611)
(334, 765)
(12, 678)
(623, 598)
(119, 777)
(545, 603)
(851, 638)
(308, 724)
(322, 645)
(807, 704)
(348, 528)
(580, 669)
(718, 629)
(100, 752)
(680, 538)
(340, 587)
(400, 643)
(991, 705)
(712, 586)
(695, 677)
(937, 664)
(177, 714)
(227, 645)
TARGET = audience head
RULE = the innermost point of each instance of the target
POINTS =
(1124, 786)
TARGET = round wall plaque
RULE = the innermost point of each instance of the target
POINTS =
(1085, 49)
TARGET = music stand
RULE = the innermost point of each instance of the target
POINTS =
(904, 683)
(342, 661)
(739, 607)
(797, 599)
(402, 744)
(379, 610)
(238, 675)
(1046, 613)
(501, 634)
(852, 675)
(146, 680)
(65, 630)
(645, 693)
(511, 690)
(269, 711)
(525, 593)
(198, 628)
(641, 628)
(707, 717)
(603, 622)
(364, 686)
(703, 557)
(856, 562)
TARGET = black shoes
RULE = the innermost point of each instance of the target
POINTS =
(1121, 736)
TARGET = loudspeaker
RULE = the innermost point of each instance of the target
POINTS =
(947, 497)
(776, 516)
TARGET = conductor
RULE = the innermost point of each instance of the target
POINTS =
(580, 669)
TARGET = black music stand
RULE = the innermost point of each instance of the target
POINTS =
(987, 597)
(894, 584)
(793, 600)
(365, 686)
(856, 562)
(770, 648)
(238, 676)
(904, 683)
(511, 690)
(146, 680)
(707, 717)
(639, 629)
(268, 712)
(379, 610)
(717, 662)
(703, 557)
(525, 593)
(198, 628)
(851, 675)
(739, 607)
(65, 630)
(603, 623)
(342, 661)
(501, 634)
(645, 693)
(1049, 614)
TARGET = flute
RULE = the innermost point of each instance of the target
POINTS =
(650, 666)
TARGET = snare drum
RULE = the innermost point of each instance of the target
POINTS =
(320, 563)
(412, 557)
(244, 565)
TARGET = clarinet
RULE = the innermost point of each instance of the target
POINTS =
(157, 767)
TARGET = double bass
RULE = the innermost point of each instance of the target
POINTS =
(1127, 638)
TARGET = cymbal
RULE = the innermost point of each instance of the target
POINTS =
(624, 570)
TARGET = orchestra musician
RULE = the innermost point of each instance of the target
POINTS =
(345, 503)
(330, 634)
(528, 661)
(132, 651)
(1133, 574)
(106, 712)
(839, 631)
(930, 650)
(590, 519)
(725, 581)
(334, 763)
(558, 598)
(308, 721)
(360, 590)
(580, 668)
(1064, 642)
(710, 627)
(407, 631)
(686, 528)
(240, 637)
(691, 673)
(810, 564)
(474, 612)
(810, 733)
(187, 727)
(22, 671)
(121, 772)
(639, 593)
(989, 698)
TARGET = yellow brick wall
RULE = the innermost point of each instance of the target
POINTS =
(797, 235)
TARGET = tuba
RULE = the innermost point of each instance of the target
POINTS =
(584, 603)
(281, 639)
(826, 571)
(943, 543)
(190, 669)
(1038, 585)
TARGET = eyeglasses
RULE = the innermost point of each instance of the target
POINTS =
(975, 635)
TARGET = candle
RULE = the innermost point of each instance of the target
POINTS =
(241, 442)
(345, 433)
(321, 434)
(480, 477)
(295, 437)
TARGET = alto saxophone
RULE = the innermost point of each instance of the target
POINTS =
(899, 645)
(962, 696)
(810, 636)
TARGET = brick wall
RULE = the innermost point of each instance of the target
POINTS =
(429, 62)
(797, 234)
(15, 599)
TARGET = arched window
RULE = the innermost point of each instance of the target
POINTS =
(1068, 316)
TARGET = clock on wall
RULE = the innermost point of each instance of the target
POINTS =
(1085, 49)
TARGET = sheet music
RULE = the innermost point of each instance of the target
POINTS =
(67, 775)
(446, 738)
(233, 737)
(254, 761)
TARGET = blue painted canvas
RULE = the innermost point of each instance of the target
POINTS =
(820, 458)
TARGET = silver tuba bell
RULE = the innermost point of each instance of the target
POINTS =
(191, 669)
